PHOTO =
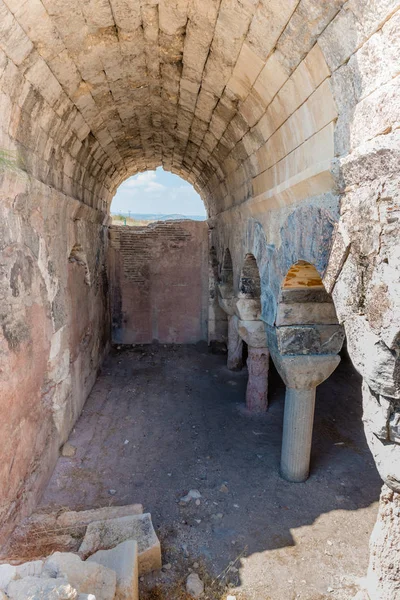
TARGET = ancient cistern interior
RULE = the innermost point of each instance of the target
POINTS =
(200, 409)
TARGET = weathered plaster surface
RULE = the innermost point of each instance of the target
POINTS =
(53, 333)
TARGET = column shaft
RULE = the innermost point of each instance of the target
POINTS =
(235, 346)
(297, 433)
(257, 385)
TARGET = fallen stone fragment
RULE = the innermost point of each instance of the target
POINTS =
(103, 535)
(68, 450)
(32, 568)
(7, 574)
(123, 559)
(85, 577)
(194, 585)
(32, 588)
(84, 517)
(191, 495)
(224, 488)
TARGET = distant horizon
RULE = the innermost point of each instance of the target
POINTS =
(130, 212)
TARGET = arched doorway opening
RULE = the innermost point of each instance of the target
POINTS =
(158, 261)
(252, 331)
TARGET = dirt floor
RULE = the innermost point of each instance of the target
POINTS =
(161, 421)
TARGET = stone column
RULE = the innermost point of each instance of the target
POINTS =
(257, 385)
(301, 375)
(235, 345)
(297, 434)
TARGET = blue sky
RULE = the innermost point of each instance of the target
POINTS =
(157, 192)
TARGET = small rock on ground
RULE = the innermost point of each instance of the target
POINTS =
(68, 450)
(194, 585)
(191, 495)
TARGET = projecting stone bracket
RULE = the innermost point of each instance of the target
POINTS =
(253, 333)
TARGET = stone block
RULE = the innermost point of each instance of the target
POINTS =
(85, 577)
(306, 313)
(84, 517)
(253, 333)
(248, 309)
(33, 568)
(7, 574)
(43, 588)
(108, 534)
(123, 559)
(310, 339)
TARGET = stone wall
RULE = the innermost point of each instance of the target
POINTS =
(54, 331)
(159, 282)
(284, 116)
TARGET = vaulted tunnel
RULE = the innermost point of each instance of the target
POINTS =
(275, 115)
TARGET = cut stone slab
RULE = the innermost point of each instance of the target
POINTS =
(123, 559)
(84, 517)
(103, 535)
(85, 577)
(31, 588)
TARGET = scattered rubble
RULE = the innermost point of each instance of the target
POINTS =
(120, 542)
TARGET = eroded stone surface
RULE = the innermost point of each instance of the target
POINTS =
(110, 533)
(257, 385)
(123, 559)
(85, 577)
(383, 580)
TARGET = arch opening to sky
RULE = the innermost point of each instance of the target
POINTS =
(157, 193)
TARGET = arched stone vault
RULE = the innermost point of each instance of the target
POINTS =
(284, 116)
(204, 89)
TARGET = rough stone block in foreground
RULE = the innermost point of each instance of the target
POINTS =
(103, 535)
(123, 559)
(86, 578)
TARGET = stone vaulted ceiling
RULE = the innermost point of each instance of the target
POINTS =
(102, 89)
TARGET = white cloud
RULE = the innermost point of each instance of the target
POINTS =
(153, 186)
(141, 180)
(157, 192)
